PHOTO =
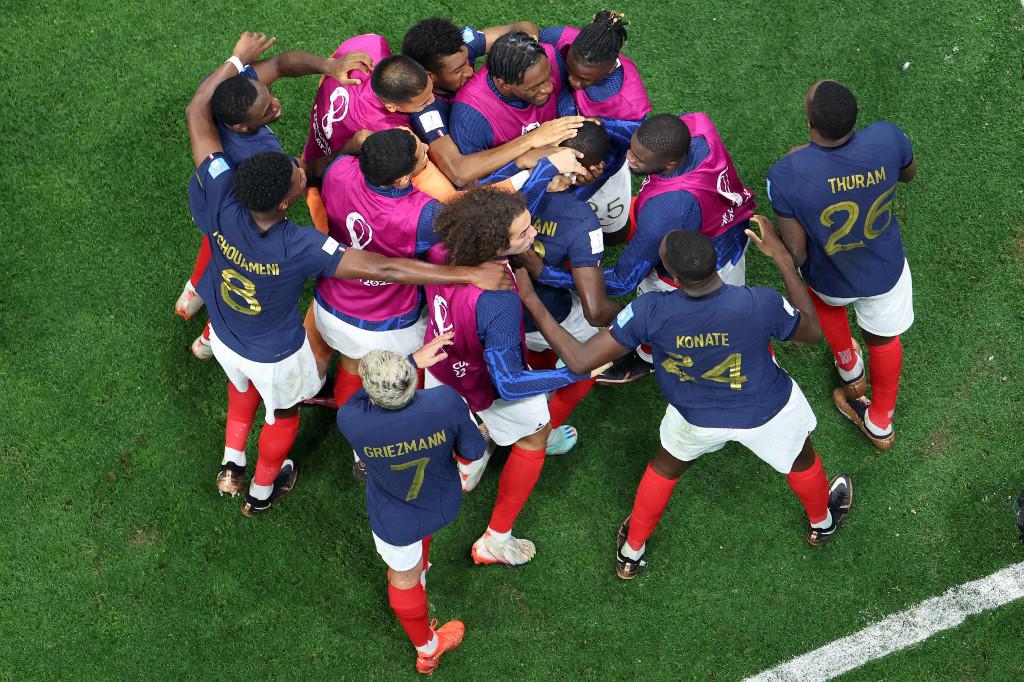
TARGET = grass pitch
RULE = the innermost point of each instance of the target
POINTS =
(118, 559)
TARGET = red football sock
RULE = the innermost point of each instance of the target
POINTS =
(426, 551)
(241, 412)
(652, 497)
(811, 486)
(632, 218)
(276, 442)
(836, 326)
(421, 376)
(346, 385)
(886, 363)
(411, 608)
(206, 331)
(515, 485)
(202, 260)
(541, 359)
(565, 400)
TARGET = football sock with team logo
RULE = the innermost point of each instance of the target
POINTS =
(241, 413)
(886, 363)
(565, 400)
(811, 486)
(346, 385)
(411, 608)
(514, 486)
(836, 326)
(652, 497)
(202, 260)
(276, 442)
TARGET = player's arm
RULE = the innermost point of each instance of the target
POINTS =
(908, 172)
(794, 236)
(493, 33)
(660, 215)
(359, 264)
(295, 64)
(770, 245)
(202, 131)
(597, 307)
(580, 358)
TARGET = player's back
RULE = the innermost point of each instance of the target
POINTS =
(711, 354)
(843, 196)
(412, 484)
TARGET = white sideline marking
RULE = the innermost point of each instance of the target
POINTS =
(901, 630)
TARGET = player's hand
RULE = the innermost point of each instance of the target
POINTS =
(251, 45)
(567, 160)
(526, 291)
(339, 67)
(769, 243)
(598, 371)
(555, 132)
(491, 276)
(559, 183)
(433, 352)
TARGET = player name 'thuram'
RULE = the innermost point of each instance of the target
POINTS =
(702, 340)
(848, 182)
(407, 447)
(236, 257)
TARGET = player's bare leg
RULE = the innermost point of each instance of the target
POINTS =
(408, 598)
(826, 503)
(520, 475)
(655, 490)
(275, 474)
(322, 353)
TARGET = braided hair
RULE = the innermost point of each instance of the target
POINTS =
(512, 55)
(600, 42)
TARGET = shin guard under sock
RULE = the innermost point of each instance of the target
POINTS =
(241, 412)
(411, 608)
(886, 364)
(836, 326)
(811, 486)
(276, 442)
(346, 385)
(515, 485)
(565, 400)
(652, 497)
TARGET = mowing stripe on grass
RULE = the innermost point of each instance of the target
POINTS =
(903, 629)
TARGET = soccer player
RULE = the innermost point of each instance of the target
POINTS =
(834, 200)
(257, 272)
(448, 55)
(710, 345)
(485, 364)
(408, 439)
(691, 183)
(514, 93)
(605, 84)
(244, 108)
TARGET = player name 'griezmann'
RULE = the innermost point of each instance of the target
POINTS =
(236, 257)
(407, 447)
(851, 182)
(702, 340)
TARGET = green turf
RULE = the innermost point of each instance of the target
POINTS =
(118, 559)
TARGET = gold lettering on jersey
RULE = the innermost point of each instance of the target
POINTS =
(407, 447)
(545, 227)
(850, 182)
(710, 340)
(243, 263)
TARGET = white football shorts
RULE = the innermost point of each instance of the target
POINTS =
(354, 342)
(888, 314)
(611, 201)
(575, 323)
(281, 384)
(777, 442)
(399, 557)
(509, 420)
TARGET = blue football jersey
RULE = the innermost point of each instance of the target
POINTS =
(843, 198)
(568, 236)
(711, 357)
(412, 482)
(254, 280)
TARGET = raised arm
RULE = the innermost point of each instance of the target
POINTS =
(493, 33)
(770, 245)
(295, 64)
(202, 131)
(359, 264)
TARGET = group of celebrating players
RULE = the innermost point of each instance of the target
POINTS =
(461, 219)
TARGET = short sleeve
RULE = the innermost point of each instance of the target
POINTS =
(587, 248)
(431, 124)
(780, 318)
(779, 203)
(209, 189)
(629, 329)
(320, 253)
(902, 142)
(475, 41)
(551, 34)
(426, 237)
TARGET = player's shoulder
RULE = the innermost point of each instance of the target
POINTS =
(882, 128)
(441, 395)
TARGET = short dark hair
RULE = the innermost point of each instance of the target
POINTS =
(600, 41)
(690, 255)
(591, 139)
(665, 135)
(512, 55)
(231, 100)
(387, 155)
(263, 181)
(431, 40)
(475, 226)
(397, 79)
(833, 110)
